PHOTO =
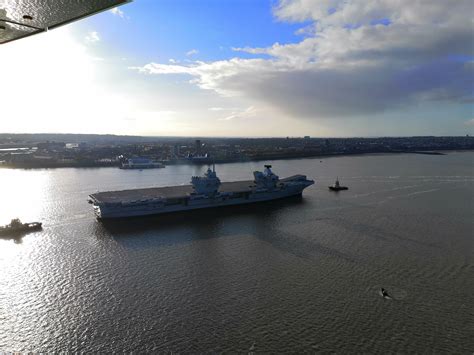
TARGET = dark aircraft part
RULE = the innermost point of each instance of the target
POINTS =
(22, 18)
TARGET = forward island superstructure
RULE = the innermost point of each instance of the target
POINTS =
(204, 192)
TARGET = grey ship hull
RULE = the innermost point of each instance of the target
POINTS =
(143, 202)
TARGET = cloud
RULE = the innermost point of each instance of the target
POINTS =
(216, 109)
(469, 122)
(248, 112)
(192, 52)
(92, 37)
(306, 31)
(117, 12)
(155, 68)
(357, 58)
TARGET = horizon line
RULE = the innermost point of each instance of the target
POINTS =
(233, 137)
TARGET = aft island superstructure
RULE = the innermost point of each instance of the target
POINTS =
(204, 192)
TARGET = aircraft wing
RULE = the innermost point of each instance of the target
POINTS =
(21, 18)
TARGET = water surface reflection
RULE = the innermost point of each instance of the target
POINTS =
(299, 275)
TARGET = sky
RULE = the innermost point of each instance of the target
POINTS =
(256, 68)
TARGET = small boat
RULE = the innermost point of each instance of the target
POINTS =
(383, 292)
(337, 186)
(17, 227)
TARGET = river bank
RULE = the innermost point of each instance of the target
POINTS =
(55, 165)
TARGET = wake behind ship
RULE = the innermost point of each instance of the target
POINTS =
(204, 192)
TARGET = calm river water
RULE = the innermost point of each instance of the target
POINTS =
(299, 276)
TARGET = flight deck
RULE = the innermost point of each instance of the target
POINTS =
(180, 191)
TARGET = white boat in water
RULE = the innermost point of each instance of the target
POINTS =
(141, 163)
(204, 192)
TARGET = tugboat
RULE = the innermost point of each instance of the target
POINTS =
(16, 227)
(337, 186)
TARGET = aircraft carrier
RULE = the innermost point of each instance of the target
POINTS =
(204, 192)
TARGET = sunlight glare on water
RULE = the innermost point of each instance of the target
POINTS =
(23, 193)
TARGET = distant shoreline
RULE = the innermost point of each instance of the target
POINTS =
(89, 165)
